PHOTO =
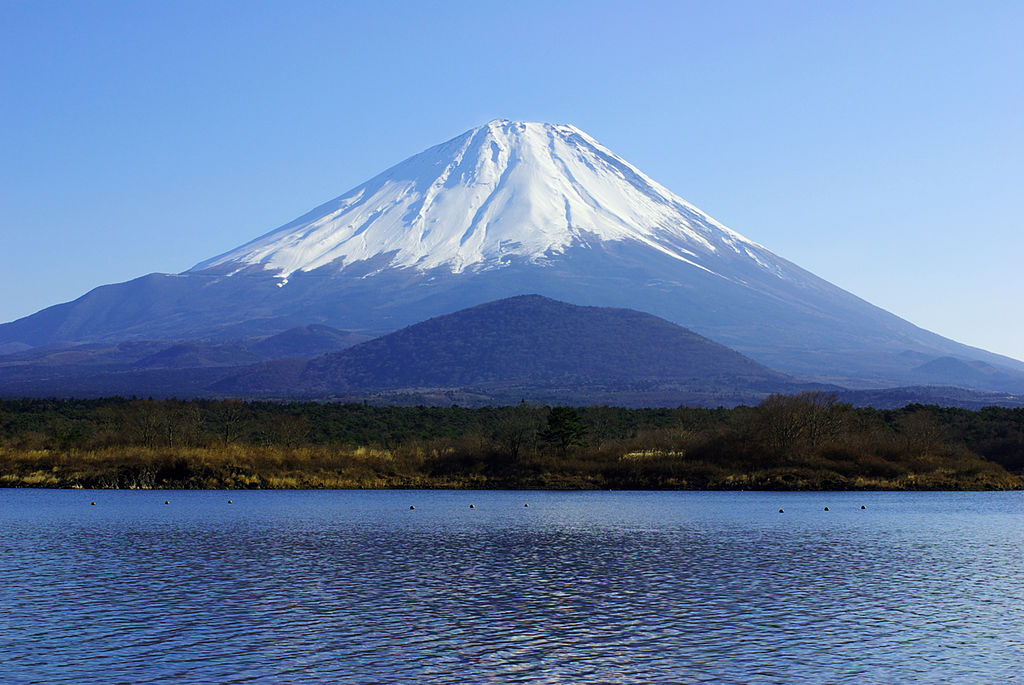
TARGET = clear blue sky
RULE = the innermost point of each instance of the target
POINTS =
(878, 144)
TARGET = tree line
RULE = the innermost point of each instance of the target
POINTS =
(805, 441)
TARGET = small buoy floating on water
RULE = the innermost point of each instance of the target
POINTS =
(782, 511)
(526, 505)
(863, 507)
(231, 501)
(167, 501)
(826, 508)
(472, 506)
(94, 504)
(411, 507)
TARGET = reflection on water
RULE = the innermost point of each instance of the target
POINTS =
(577, 587)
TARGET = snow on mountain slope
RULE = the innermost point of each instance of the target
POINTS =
(503, 191)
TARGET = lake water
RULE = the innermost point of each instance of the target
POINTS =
(354, 586)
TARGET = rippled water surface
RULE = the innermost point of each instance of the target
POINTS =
(355, 586)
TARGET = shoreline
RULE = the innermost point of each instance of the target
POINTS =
(797, 443)
(739, 484)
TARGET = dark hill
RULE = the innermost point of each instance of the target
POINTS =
(198, 355)
(307, 341)
(967, 373)
(530, 345)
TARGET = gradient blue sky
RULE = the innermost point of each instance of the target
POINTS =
(878, 144)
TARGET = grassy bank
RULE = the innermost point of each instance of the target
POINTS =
(806, 442)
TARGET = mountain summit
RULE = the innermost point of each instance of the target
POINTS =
(506, 191)
(507, 209)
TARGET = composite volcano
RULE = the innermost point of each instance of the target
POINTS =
(512, 208)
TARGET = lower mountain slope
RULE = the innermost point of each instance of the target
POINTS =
(526, 347)
(804, 327)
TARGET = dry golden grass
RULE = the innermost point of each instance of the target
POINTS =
(801, 443)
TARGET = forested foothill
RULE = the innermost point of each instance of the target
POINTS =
(808, 441)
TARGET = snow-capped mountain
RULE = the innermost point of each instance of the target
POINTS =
(501, 192)
(512, 208)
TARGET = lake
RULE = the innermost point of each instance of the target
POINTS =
(355, 586)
